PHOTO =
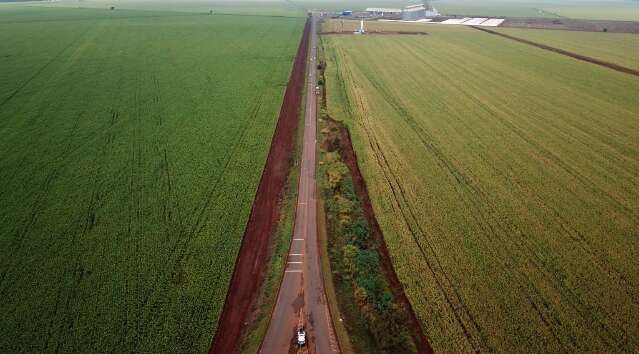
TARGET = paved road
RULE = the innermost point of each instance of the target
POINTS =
(301, 299)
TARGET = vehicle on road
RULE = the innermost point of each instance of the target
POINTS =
(301, 337)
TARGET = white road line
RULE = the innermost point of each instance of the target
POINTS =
(293, 271)
(295, 262)
(296, 254)
(298, 239)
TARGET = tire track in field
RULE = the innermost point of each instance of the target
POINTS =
(560, 220)
(87, 221)
(580, 240)
(409, 219)
(524, 250)
(477, 101)
(38, 72)
(470, 196)
(201, 218)
(463, 70)
(444, 162)
(184, 237)
(477, 205)
(58, 163)
(481, 217)
(398, 198)
(585, 244)
(98, 199)
(101, 18)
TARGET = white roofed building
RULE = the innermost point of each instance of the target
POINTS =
(383, 11)
(417, 12)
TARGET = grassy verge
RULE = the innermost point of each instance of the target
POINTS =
(331, 294)
(369, 312)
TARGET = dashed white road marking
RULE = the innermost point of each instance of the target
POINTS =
(293, 271)
(296, 254)
(295, 262)
(298, 239)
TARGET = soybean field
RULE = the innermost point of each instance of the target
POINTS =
(132, 146)
(504, 178)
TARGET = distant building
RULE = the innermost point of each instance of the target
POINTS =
(381, 11)
(417, 12)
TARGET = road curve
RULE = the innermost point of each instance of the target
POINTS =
(301, 299)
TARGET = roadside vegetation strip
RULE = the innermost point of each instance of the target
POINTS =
(362, 271)
(585, 58)
(130, 158)
(249, 268)
(372, 301)
(497, 200)
(331, 295)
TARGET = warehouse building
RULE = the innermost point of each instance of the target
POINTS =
(418, 12)
(383, 11)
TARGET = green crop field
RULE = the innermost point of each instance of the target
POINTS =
(618, 48)
(240, 7)
(584, 9)
(590, 9)
(505, 180)
(514, 8)
(132, 146)
(597, 10)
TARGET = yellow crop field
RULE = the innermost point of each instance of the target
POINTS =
(504, 178)
(617, 48)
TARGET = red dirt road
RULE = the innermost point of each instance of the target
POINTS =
(301, 299)
(248, 274)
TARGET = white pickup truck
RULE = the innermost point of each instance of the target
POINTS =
(301, 337)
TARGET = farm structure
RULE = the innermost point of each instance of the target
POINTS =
(383, 11)
(417, 12)
(504, 185)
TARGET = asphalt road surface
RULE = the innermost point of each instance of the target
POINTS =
(301, 300)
